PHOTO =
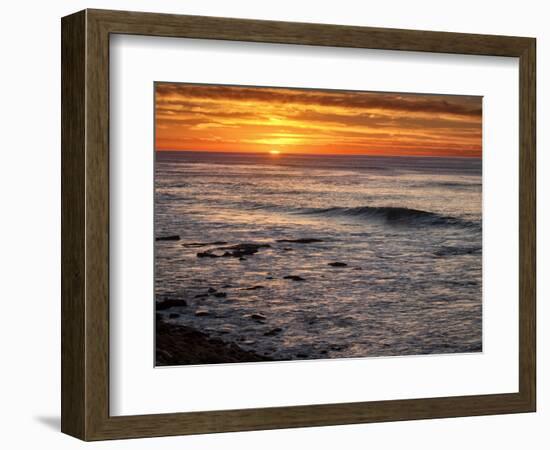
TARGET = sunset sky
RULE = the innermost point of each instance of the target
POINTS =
(279, 120)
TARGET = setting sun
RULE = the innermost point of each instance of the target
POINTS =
(274, 152)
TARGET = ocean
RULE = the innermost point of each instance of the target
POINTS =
(382, 255)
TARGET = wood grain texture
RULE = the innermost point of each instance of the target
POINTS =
(85, 224)
(97, 225)
(73, 111)
(267, 31)
(527, 224)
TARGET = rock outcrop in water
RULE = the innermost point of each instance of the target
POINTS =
(253, 288)
(167, 303)
(273, 331)
(338, 264)
(204, 244)
(301, 240)
(243, 249)
(258, 317)
(233, 251)
(174, 237)
(294, 278)
(180, 345)
(208, 254)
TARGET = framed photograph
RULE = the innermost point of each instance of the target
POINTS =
(273, 225)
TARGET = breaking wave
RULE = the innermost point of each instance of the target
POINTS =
(391, 214)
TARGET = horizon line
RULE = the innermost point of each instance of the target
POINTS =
(282, 153)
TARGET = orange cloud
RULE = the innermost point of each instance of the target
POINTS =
(255, 119)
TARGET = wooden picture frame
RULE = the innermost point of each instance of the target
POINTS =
(85, 224)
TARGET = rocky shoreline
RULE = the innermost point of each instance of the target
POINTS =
(183, 345)
(178, 344)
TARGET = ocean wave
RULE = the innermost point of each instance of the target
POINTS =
(446, 184)
(391, 214)
(458, 251)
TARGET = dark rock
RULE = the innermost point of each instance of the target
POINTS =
(168, 238)
(301, 240)
(211, 290)
(288, 249)
(235, 251)
(201, 295)
(273, 332)
(173, 316)
(269, 278)
(207, 255)
(227, 286)
(220, 294)
(294, 278)
(170, 303)
(254, 288)
(258, 317)
(204, 244)
(337, 264)
(179, 345)
(301, 355)
(202, 312)
(242, 258)
(244, 249)
(357, 268)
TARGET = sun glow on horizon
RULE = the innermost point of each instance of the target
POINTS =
(274, 152)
